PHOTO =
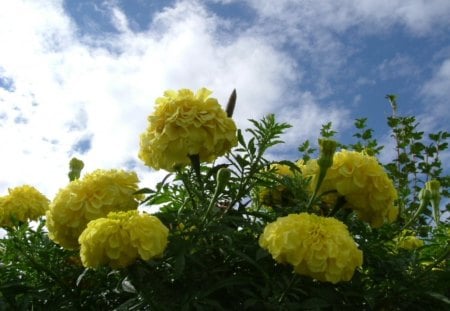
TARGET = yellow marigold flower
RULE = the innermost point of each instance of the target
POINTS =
(89, 198)
(22, 204)
(362, 181)
(274, 196)
(408, 241)
(318, 247)
(122, 237)
(185, 124)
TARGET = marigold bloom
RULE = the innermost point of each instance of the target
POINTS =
(274, 196)
(22, 204)
(89, 198)
(362, 181)
(408, 241)
(185, 124)
(122, 237)
(318, 247)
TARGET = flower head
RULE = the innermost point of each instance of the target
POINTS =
(277, 194)
(316, 246)
(408, 241)
(89, 198)
(22, 204)
(362, 181)
(434, 187)
(327, 150)
(186, 124)
(122, 237)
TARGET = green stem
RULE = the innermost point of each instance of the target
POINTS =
(423, 204)
(445, 255)
(339, 204)
(288, 287)
(322, 174)
(243, 187)
(188, 188)
(195, 161)
(211, 204)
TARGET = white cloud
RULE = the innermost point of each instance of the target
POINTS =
(436, 93)
(330, 32)
(307, 119)
(417, 16)
(71, 88)
(400, 66)
(439, 85)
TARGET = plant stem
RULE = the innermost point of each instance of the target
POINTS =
(288, 287)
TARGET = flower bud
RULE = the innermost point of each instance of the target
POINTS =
(327, 150)
(75, 166)
(424, 196)
(222, 177)
(434, 187)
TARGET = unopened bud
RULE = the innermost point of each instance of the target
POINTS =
(75, 166)
(231, 104)
(327, 150)
(434, 187)
(425, 195)
(222, 177)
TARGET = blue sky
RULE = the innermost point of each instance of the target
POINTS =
(79, 77)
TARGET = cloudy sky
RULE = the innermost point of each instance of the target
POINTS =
(79, 77)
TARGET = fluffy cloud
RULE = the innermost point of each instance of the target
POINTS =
(86, 96)
(65, 91)
(436, 92)
(417, 16)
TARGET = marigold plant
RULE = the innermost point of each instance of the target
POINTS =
(185, 124)
(120, 238)
(326, 236)
(275, 194)
(22, 204)
(407, 240)
(362, 181)
(89, 198)
(316, 246)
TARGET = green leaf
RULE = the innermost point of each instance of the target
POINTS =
(241, 139)
(127, 286)
(180, 263)
(81, 276)
(439, 297)
(144, 191)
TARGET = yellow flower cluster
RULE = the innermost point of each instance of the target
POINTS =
(89, 198)
(186, 124)
(274, 196)
(408, 241)
(122, 237)
(22, 204)
(362, 181)
(316, 246)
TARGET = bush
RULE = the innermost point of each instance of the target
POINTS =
(328, 232)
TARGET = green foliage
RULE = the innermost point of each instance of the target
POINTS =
(36, 274)
(365, 142)
(417, 161)
(215, 215)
